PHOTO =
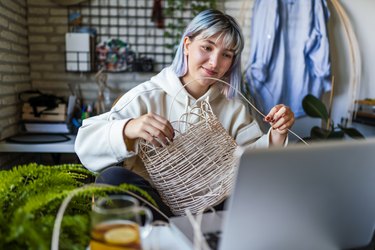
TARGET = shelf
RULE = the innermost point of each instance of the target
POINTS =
(131, 22)
(365, 118)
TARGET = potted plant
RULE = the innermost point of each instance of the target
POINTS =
(314, 107)
(31, 195)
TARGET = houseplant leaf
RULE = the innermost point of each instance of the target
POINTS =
(314, 107)
(319, 133)
(337, 134)
(352, 132)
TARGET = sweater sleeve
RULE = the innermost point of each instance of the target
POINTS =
(100, 142)
(246, 130)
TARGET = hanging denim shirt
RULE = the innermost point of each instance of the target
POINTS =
(289, 55)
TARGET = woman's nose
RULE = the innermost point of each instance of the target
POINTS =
(214, 60)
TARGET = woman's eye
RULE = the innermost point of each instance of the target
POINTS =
(230, 56)
(206, 48)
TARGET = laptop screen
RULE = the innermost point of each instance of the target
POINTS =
(320, 196)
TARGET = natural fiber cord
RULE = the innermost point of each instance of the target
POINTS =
(196, 170)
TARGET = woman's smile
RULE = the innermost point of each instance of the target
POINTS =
(209, 72)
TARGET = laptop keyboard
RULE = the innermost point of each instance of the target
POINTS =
(212, 239)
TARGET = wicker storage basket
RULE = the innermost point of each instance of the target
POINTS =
(197, 170)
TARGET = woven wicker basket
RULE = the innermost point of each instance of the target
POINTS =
(197, 170)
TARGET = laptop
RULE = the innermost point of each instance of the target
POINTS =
(320, 196)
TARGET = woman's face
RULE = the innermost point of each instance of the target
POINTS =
(205, 58)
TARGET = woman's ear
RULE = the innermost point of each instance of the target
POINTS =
(187, 42)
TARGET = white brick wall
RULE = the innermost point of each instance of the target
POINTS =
(14, 63)
(47, 26)
(33, 31)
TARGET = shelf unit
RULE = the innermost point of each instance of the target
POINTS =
(130, 21)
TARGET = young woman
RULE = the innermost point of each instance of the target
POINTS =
(210, 47)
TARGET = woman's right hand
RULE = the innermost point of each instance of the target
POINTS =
(151, 127)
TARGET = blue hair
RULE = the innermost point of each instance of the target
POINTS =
(209, 23)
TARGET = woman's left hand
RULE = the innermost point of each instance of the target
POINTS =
(281, 118)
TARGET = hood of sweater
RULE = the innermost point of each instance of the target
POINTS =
(171, 84)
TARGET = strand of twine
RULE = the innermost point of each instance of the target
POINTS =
(199, 241)
(237, 91)
(66, 201)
